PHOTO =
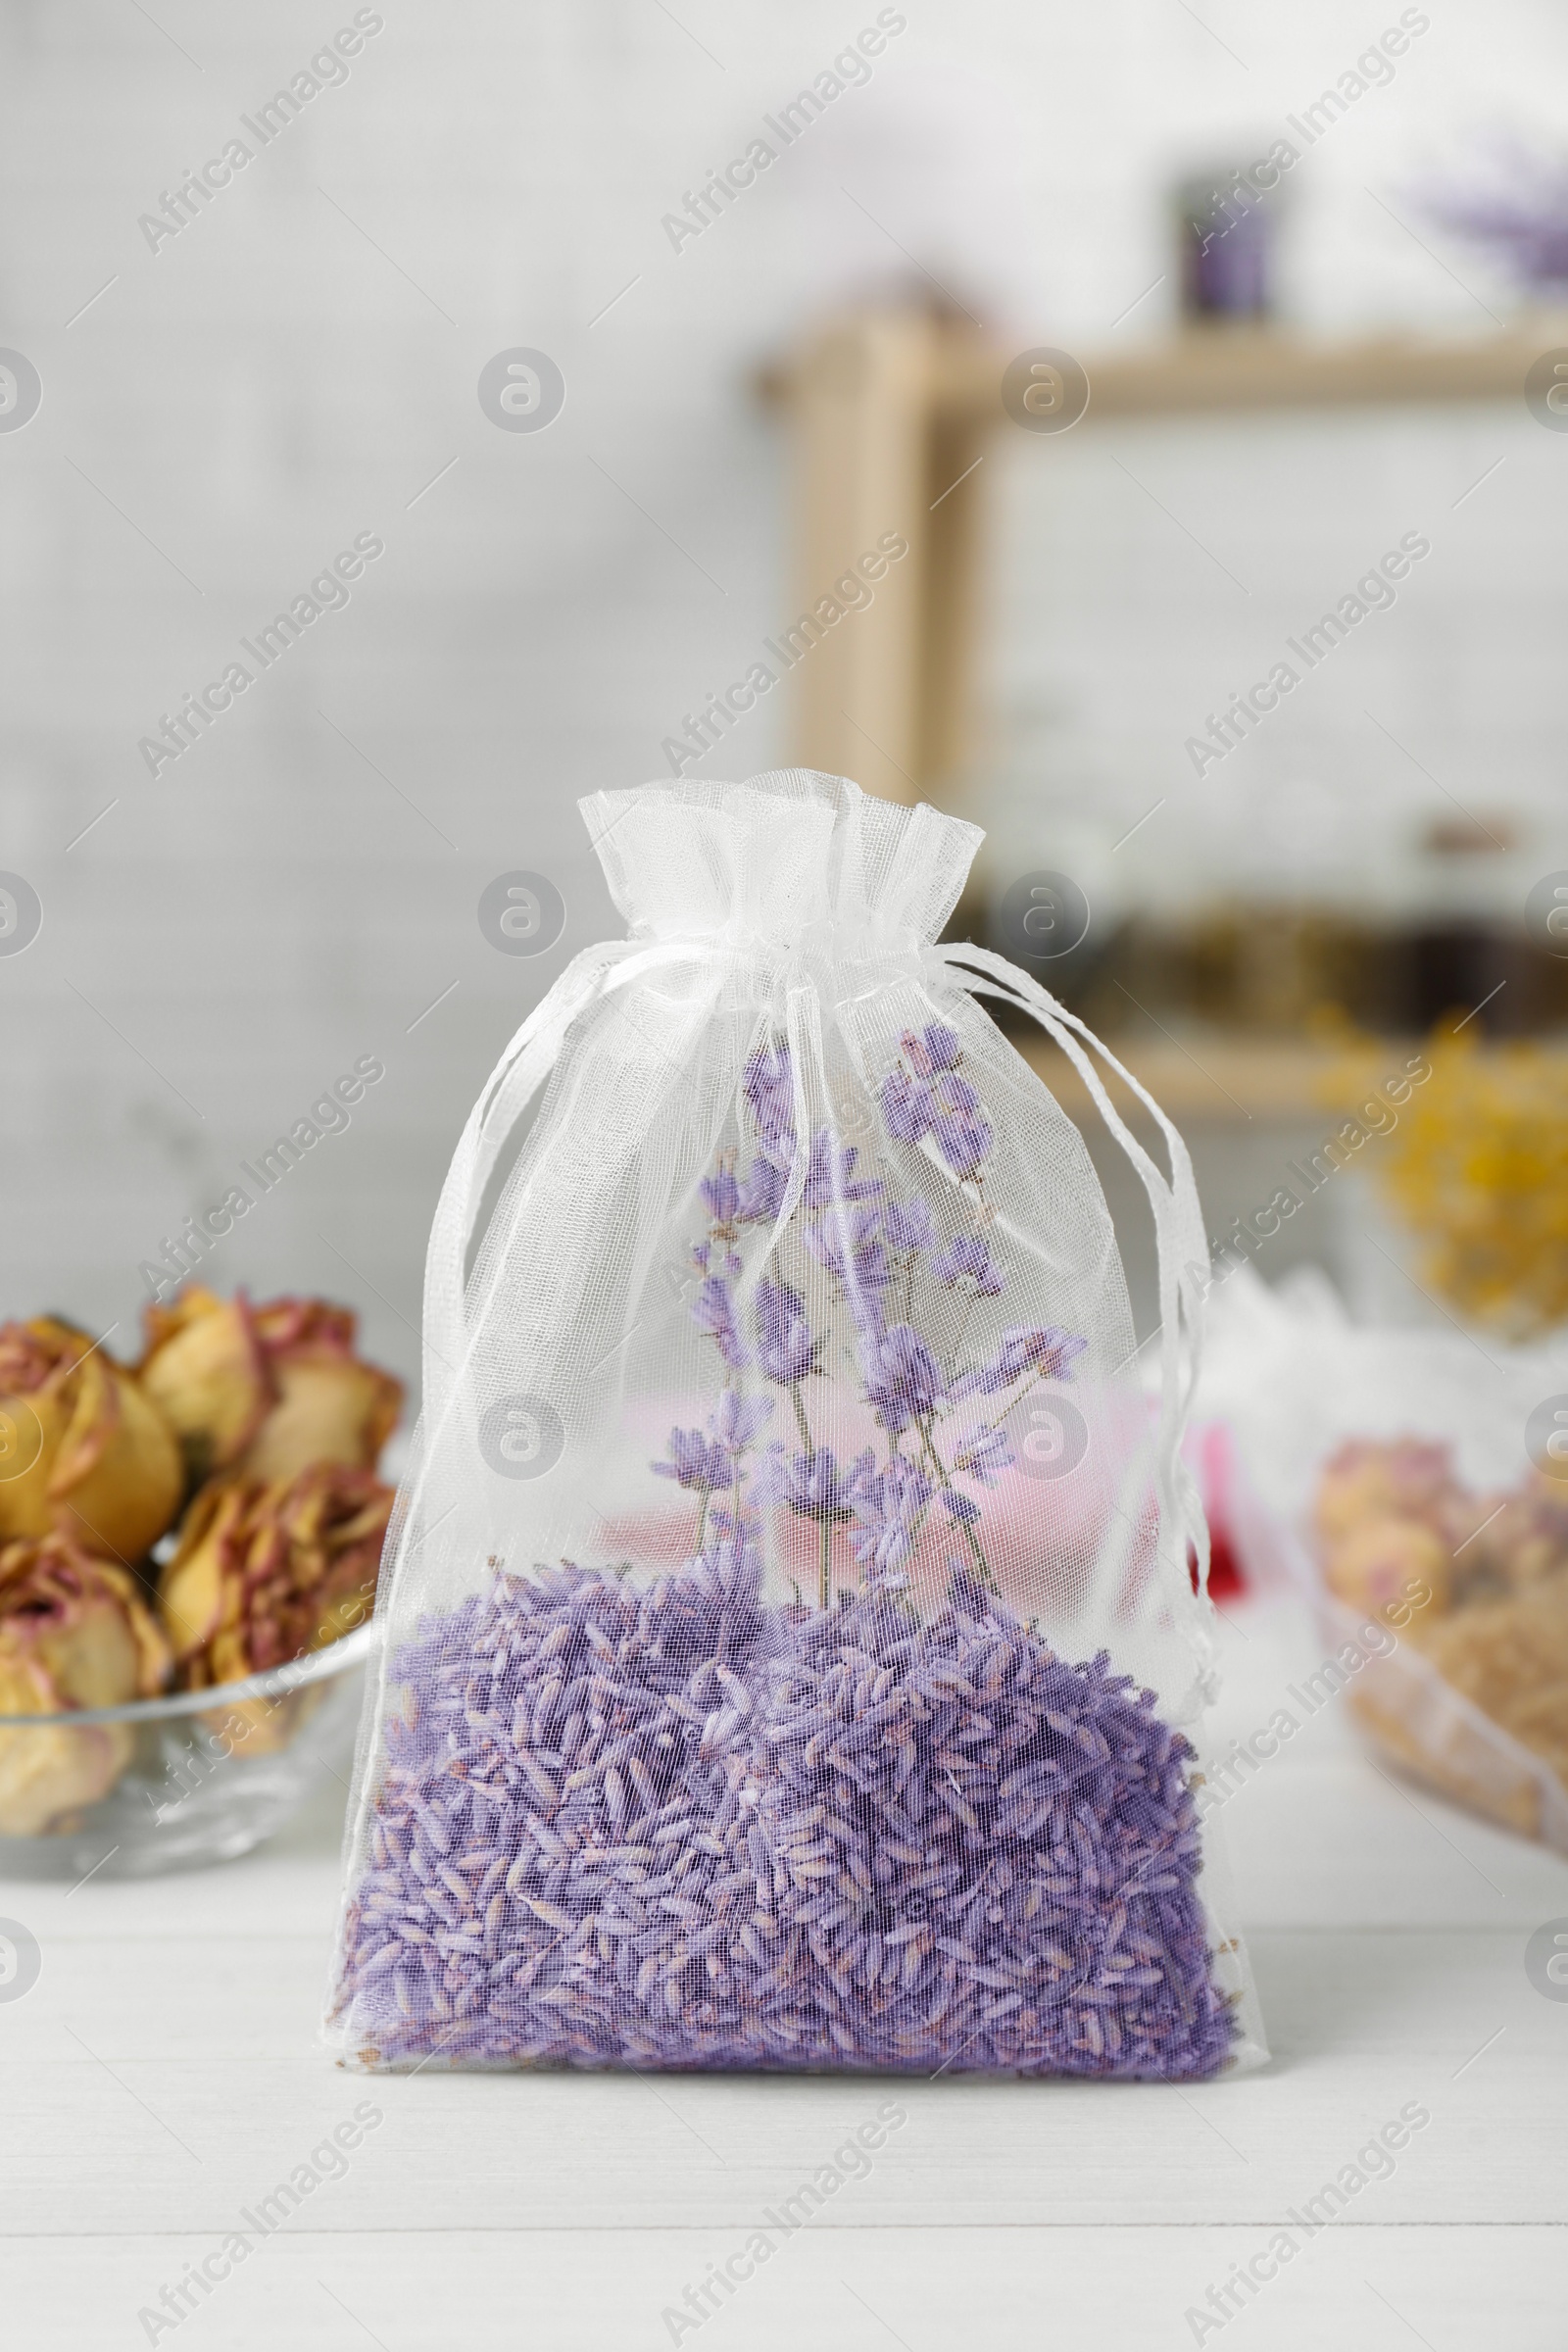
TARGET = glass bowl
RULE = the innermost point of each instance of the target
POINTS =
(199, 1775)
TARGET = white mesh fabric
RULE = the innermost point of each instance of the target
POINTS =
(780, 1073)
(767, 863)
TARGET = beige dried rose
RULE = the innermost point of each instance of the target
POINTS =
(1508, 1655)
(266, 1571)
(1385, 1562)
(1367, 1478)
(1526, 1537)
(75, 1630)
(262, 1391)
(82, 1447)
(1393, 1524)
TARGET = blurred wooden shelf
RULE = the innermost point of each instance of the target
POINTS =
(1224, 368)
(890, 414)
(1218, 367)
(1230, 1081)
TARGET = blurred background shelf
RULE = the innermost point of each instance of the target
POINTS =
(891, 411)
(1225, 367)
(1214, 1077)
(1203, 368)
(1218, 1078)
(558, 611)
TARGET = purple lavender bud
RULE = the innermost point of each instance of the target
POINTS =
(693, 1462)
(985, 1455)
(721, 1195)
(887, 1504)
(941, 1045)
(961, 1507)
(845, 1242)
(909, 1225)
(715, 1257)
(969, 1255)
(713, 1311)
(965, 1144)
(908, 1111)
(785, 1348)
(738, 1524)
(736, 1420)
(734, 1559)
(769, 1088)
(956, 1095)
(915, 1053)
(903, 1378)
(812, 1484)
(1031, 1348)
(936, 1048)
(831, 1171)
(762, 1192)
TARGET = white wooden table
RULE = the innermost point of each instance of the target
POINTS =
(164, 2073)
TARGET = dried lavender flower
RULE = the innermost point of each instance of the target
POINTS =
(668, 1827)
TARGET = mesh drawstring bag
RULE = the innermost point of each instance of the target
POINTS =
(791, 1657)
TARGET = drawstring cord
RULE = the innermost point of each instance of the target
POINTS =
(1181, 1243)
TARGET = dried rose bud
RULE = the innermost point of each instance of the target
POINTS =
(1383, 1563)
(268, 1571)
(74, 1632)
(82, 1447)
(262, 1391)
(1526, 1537)
(1368, 1479)
(1508, 1655)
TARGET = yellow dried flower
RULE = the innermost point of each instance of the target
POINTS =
(1478, 1170)
(268, 1571)
(85, 1448)
(263, 1392)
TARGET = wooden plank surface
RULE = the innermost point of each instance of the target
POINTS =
(1234, 367)
(1224, 368)
(164, 2075)
(1365, 2289)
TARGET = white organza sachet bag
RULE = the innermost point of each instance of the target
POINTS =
(791, 1658)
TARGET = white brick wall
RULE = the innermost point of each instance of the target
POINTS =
(268, 383)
